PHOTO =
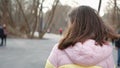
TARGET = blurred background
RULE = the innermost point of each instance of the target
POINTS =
(33, 18)
(33, 27)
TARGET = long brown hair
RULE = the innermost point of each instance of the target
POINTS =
(85, 24)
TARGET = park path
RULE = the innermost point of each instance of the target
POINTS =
(29, 53)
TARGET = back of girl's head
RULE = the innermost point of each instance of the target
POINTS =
(85, 24)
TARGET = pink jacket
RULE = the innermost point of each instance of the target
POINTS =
(86, 55)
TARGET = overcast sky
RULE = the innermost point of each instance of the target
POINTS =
(75, 3)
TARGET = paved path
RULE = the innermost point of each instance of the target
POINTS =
(26, 53)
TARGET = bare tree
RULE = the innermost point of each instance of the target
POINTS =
(100, 1)
(6, 17)
(115, 15)
(36, 17)
(112, 13)
(26, 21)
(50, 18)
(24, 17)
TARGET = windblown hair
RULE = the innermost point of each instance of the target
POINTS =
(86, 24)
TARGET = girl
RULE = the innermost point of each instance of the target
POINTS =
(85, 44)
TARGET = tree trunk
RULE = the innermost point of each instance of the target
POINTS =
(100, 1)
(26, 21)
(36, 19)
(49, 21)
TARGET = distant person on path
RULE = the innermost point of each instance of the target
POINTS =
(48, 30)
(85, 44)
(117, 45)
(1, 34)
(60, 31)
(5, 33)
